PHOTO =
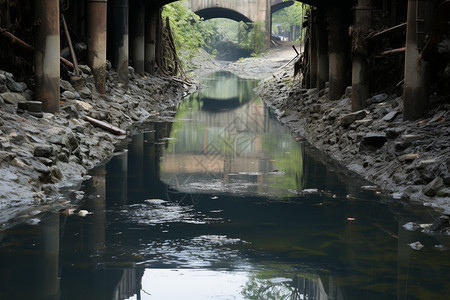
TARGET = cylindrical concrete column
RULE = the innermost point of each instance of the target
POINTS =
(96, 40)
(416, 86)
(338, 48)
(313, 67)
(322, 49)
(47, 72)
(150, 38)
(119, 38)
(360, 68)
(137, 34)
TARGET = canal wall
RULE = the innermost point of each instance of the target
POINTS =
(45, 157)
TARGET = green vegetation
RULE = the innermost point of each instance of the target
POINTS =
(189, 31)
(216, 36)
(288, 21)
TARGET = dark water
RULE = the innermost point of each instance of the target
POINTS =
(225, 204)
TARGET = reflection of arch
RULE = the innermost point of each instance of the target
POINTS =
(214, 104)
(220, 12)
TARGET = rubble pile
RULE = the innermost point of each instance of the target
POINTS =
(44, 155)
(410, 159)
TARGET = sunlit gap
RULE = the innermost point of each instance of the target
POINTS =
(233, 40)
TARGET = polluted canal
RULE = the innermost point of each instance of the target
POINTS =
(223, 203)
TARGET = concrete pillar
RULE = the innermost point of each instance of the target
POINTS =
(313, 66)
(150, 38)
(360, 68)
(46, 68)
(119, 38)
(137, 34)
(322, 49)
(338, 48)
(416, 86)
(96, 40)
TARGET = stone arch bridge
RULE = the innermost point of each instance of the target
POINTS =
(238, 10)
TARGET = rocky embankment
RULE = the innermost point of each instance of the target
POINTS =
(411, 160)
(45, 157)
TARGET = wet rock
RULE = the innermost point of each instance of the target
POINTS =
(440, 223)
(3, 87)
(40, 167)
(85, 69)
(43, 150)
(65, 86)
(6, 156)
(12, 98)
(18, 87)
(433, 187)
(68, 95)
(348, 119)
(378, 98)
(392, 133)
(390, 116)
(373, 141)
(81, 105)
(444, 192)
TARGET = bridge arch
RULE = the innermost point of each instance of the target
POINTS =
(220, 12)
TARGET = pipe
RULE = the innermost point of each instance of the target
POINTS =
(96, 40)
(69, 41)
(47, 72)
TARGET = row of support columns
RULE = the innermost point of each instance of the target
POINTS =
(102, 17)
(329, 56)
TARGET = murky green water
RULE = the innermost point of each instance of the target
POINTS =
(225, 204)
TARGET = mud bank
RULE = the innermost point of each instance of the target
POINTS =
(410, 160)
(45, 157)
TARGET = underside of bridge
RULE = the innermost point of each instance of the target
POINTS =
(216, 12)
(371, 45)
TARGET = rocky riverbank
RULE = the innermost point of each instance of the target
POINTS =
(45, 157)
(409, 159)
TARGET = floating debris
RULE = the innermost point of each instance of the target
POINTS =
(155, 201)
(214, 198)
(83, 213)
(411, 226)
(416, 245)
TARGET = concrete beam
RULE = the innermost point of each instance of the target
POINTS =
(360, 68)
(47, 72)
(338, 50)
(137, 34)
(416, 86)
(151, 16)
(118, 25)
(313, 63)
(322, 49)
(96, 41)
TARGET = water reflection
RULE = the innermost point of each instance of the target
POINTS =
(239, 151)
(266, 219)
